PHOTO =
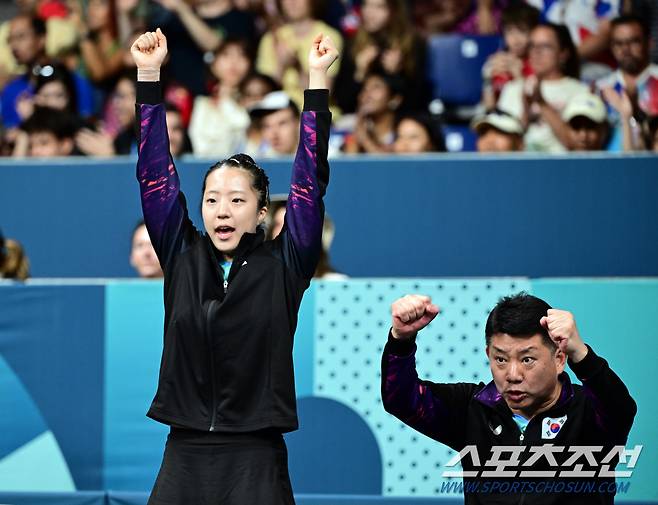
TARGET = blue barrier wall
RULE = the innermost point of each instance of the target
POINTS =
(79, 362)
(423, 216)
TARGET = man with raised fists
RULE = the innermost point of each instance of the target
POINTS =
(517, 434)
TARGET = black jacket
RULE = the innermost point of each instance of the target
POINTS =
(227, 357)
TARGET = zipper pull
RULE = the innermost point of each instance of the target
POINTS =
(225, 285)
(521, 438)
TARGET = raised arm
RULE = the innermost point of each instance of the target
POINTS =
(613, 405)
(436, 410)
(163, 204)
(302, 237)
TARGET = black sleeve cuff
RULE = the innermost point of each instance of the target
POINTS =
(316, 100)
(588, 366)
(400, 347)
(149, 93)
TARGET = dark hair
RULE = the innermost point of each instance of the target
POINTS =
(571, 67)
(431, 126)
(518, 316)
(44, 119)
(394, 82)
(317, 8)
(38, 24)
(60, 74)
(260, 182)
(629, 19)
(521, 16)
(257, 76)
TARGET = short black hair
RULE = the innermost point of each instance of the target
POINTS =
(518, 316)
(631, 19)
(521, 16)
(47, 120)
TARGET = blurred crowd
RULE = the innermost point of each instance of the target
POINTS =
(565, 76)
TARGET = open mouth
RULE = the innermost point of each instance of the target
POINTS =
(516, 396)
(224, 232)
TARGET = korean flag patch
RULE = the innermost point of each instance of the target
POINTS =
(551, 426)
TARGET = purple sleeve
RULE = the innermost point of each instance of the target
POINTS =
(302, 237)
(163, 204)
(614, 408)
(436, 410)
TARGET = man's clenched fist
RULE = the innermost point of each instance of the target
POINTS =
(411, 313)
(561, 327)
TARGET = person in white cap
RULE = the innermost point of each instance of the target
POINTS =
(587, 117)
(278, 117)
(498, 132)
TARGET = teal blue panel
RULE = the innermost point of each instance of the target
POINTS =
(619, 319)
(352, 322)
(304, 339)
(133, 346)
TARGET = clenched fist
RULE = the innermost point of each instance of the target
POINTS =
(411, 314)
(561, 327)
(149, 50)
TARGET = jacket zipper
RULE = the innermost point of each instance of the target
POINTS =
(213, 417)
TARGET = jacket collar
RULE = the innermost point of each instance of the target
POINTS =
(490, 396)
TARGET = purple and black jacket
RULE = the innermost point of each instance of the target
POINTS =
(227, 357)
(598, 413)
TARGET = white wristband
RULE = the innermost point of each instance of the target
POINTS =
(148, 74)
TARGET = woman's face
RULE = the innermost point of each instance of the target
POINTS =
(230, 208)
(253, 92)
(411, 137)
(52, 94)
(375, 96)
(296, 10)
(123, 101)
(98, 12)
(375, 15)
(231, 65)
(545, 53)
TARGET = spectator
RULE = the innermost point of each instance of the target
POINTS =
(283, 51)
(539, 100)
(469, 17)
(621, 89)
(276, 213)
(379, 100)
(116, 134)
(142, 255)
(587, 118)
(511, 63)
(417, 134)
(54, 88)
(652, 127)
(195, 28)
(101, 49)
(252, 90)
(27, 37)
(219, 123)
(279, 119)
(588, 23)
(385, 39)
(498, 132)
(47, 133)
(13, 261)
(645, 10)
(179, 141)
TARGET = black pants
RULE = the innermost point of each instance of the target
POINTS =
(202, 468)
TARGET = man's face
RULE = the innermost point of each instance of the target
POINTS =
(493, 140)
(629, 47)
(26, 46)
(280, 131)
(46, 145)
(525, 371)
(586, 135)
